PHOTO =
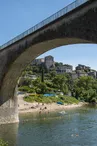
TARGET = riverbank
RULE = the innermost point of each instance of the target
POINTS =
(26, 107)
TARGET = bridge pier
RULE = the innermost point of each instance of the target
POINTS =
(9, 111)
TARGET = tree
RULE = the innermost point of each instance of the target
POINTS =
(52, 74)
(86, 88)
(59, 82)
(58, 64)
(42, 73)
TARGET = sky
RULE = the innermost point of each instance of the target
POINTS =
(16, 16)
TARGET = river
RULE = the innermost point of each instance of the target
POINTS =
(75, 127)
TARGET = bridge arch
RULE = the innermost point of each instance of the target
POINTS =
(14, 71)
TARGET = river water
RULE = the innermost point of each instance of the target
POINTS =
(75, 127)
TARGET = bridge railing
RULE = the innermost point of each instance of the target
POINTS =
(50, 19)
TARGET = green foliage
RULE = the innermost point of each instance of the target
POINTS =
(27, 89)
(24, 73)
(25, 82)
(52, 74)
(42, 99)
(24, 88)
(59, 82)
(69, 100)
(58, 64)
(42, 75)
(86, 89)
(40, 87)
(3, 143)
(83, 88)
(49, 84)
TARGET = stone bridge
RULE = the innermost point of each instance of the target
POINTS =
(76, 23)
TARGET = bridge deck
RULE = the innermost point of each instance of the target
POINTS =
(50, 19)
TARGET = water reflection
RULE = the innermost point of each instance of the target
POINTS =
(78, 127)
(9, 132)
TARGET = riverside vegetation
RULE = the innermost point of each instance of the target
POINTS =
(3, 143)
(74, 90)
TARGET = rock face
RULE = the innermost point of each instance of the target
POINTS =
(77, 26)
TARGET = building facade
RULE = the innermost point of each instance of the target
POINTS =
(83, 67)
(64, 69)
(38, 61)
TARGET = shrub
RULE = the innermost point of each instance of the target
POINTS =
(42, 99)
(3, 143)
(27, 89)
(24, 88)
(69, 100)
